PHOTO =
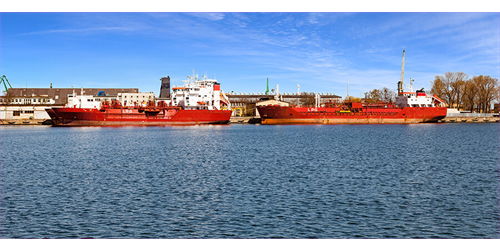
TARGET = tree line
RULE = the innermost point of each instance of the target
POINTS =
(460, 91)
(384, 94)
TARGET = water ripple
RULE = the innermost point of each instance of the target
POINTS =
(245, 181)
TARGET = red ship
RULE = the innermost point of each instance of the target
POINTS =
(410, 107)
(350, 113)
(205, 108)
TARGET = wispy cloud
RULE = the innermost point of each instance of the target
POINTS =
(80, 31)
(207, 15)
(315, 50)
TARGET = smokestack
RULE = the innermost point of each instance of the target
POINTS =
(165, 87)
(50, 85)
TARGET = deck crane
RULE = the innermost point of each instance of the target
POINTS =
(5, 81)
(400, 83)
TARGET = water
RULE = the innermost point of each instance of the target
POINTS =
(250, 181)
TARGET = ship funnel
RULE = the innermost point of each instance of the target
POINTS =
(165, 87)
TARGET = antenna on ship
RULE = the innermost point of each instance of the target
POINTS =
(400, 83)
(347, 89)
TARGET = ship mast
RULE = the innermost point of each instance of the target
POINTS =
(400, 83)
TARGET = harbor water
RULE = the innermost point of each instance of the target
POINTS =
(251, 181)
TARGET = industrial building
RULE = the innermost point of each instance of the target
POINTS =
(27, 105)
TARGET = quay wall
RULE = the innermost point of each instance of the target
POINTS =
(471, 117)
(24, 121)
(256, 119)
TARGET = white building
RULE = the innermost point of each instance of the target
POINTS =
(24, 109)
(135, 99)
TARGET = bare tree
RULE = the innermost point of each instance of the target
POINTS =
(307, 99)
(373, 95)
(487, 91)
(457, 90)
(383, 94)
(457, 85)
(440, 87)
(388, 95)
(470, 94)
(450, 87)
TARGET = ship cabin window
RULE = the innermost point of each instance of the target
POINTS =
(16, 113)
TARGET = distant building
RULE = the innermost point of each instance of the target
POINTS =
(243, 104)
(60, 95)
(133, 99)
(27, 105)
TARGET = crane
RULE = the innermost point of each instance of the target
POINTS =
(5, 81)
(400, 83)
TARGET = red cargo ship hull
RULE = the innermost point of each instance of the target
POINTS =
(134, 117)
(274, 114)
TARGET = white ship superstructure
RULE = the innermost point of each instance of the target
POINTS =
(414, 99)
(82, 101)
(417, 99)
(199, 93)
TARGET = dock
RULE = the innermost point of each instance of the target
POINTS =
(471, 118)
(25, 121)
(245, 119)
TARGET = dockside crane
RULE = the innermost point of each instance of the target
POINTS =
(5, 81)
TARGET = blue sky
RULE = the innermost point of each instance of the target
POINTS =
(319, 51)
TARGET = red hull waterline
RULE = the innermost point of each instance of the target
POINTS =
(274, 114)
(71, 117)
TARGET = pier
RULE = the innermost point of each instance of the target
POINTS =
(471, 117)
(455, 116)
(245, 119)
